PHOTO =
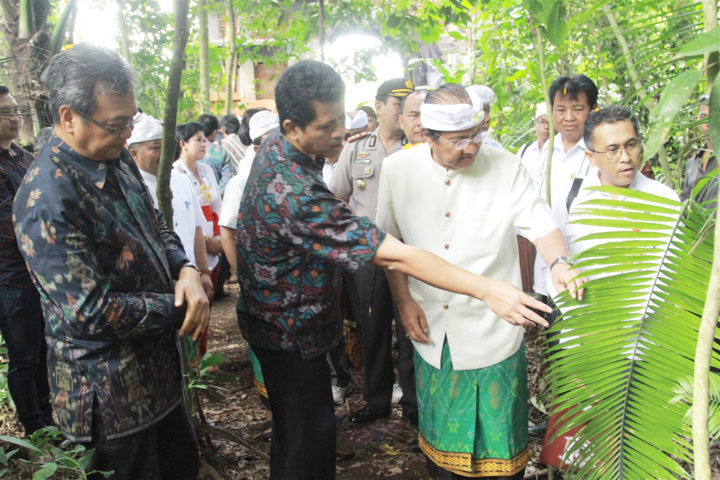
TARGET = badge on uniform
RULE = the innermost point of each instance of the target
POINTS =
(362, 157)
(373, 140)
(361, 184)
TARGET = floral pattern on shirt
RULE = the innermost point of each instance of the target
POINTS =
(293, 238)
(103, 261)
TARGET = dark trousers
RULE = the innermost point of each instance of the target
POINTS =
(372, 307)
(22, 325)
(166, 450)
(303, 438)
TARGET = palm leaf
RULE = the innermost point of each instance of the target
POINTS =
(627, 345)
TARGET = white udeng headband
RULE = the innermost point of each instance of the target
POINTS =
(449, 118)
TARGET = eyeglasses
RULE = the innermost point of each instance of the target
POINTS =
(462, 144)
(11, 112)
(632, 147)
(111, 129)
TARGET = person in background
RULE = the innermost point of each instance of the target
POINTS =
(145, 145)
(114, 281)
(215, 155)
(355, 181)
(191, 143)
(355, 124)
(21, 316)
(372, 117)
(700, 165)
(410, 117)
(231, 142)
(482, 98)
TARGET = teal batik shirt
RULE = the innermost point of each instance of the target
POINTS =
(104, 262)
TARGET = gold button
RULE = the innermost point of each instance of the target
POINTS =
(446, 306)
(447, 246)
(447, 214)
(447, 182)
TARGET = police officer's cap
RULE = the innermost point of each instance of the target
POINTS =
(397, 87)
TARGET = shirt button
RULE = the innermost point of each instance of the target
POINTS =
(447, 214)
(446, 306)
(447, 246)
(447, 182)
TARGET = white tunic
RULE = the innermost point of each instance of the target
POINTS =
(467, 217)
(187, 215)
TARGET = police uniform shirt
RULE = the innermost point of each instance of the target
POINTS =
(357, 174)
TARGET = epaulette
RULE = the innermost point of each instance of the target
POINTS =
(358, 136)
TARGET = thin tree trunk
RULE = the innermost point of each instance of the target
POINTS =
(708, 324)
(637, 83)
(543, 80)
(204, 57)
(171, 103)
(124, 47)
(230, 60)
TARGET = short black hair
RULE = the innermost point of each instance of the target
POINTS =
(209, 122)
(302, 84)
(4, 90)
(572, 86)
(230, 123)
(184, 131)
(610, 114)
(446, 93)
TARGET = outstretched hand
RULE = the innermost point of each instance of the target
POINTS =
(564, 278)
(514, 306)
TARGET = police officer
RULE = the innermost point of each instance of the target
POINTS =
(356, 181)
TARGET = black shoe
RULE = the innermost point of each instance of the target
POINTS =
(368, 415)
(538, 430)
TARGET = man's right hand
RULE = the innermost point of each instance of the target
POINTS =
(189, 290)
(413, 320)
(512, 305)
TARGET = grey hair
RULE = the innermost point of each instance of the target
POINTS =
(71, 77)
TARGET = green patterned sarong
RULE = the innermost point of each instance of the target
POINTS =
(257, 373)
(474, 422)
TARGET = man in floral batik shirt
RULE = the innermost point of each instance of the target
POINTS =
(104, 263)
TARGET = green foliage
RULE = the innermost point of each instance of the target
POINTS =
(627, 346)
(49, 456)
(206, 377)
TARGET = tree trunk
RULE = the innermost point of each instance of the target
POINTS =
(204, 57)
(230, 60)
(167, 156)
(543, 79)
(124, 47)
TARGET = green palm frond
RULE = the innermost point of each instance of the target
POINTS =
(626, 346)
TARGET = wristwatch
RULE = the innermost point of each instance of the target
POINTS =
(563, 260)
(191, 265)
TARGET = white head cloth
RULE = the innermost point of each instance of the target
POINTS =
(262, 122)
(540, 109)
(147, 128)
(480, 95)
(449, 118)
(360, 120)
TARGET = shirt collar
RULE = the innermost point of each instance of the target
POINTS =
(93, 170)
(296, 155)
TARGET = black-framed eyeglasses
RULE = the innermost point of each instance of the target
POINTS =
(632, 147)
(111, 129)
(462, 144)
(11, 112)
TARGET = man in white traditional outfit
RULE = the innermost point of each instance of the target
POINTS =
(188, 220)
(463, 200)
